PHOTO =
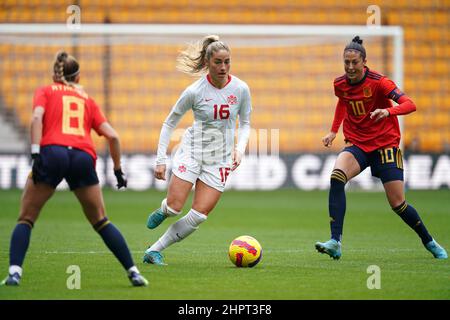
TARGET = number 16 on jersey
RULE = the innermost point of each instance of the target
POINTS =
(222, 112)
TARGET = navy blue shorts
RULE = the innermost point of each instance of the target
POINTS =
(386, 163)
(74, 165)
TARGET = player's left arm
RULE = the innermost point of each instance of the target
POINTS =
(106, 130)
(244, 128)
(103, 128)
(391, 91)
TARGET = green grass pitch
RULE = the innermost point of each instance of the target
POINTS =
(287, 223)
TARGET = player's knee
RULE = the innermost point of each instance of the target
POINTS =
(338, 178)
(395, 197)
(172, 207)
(398, 205)
(99, 225)
(27, 221)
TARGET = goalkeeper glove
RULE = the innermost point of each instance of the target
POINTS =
(37, 171)
(121, 180)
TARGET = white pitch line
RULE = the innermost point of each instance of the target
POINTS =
(264, 251)
(83, 252)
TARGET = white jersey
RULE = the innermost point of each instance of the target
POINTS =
(210, 140)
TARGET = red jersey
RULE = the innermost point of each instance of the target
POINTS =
(69, 117)
(358, 100)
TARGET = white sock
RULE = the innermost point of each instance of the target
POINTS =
(168, 211)
(13, 269)
(179, 230)
(133, 269)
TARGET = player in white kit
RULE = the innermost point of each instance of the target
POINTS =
(208, 152)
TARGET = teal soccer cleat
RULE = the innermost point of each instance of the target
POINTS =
(11, 280)
(154, 257)
(437, 251)
(331, 248)
(156, 218)
(137, 280)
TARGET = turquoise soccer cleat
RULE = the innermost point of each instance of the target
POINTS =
(331, 248)
(137, 280)
(437, 251)
(156, 218)
(154, 257)
(11, 280)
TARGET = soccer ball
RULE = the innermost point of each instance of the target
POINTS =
(245, 251)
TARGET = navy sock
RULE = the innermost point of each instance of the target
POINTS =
(337, 203)
(412, 219)
(20, 239)
(115, 242)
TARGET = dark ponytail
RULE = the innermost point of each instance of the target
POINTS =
(357, 45)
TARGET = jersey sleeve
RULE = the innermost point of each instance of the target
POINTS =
(406, 105)
(40, 98)
(390, 89)
(184, 103)
(244, 121)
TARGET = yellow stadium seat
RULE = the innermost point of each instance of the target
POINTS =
(144, 88)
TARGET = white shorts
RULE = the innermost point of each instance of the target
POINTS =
(188, 169)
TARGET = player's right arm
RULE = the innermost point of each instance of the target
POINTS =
(36, 136)
(36, 128)
(39, 104)
(184, 103)
(339, 115)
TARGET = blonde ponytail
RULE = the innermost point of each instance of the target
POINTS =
(193, 59)
(65, 68)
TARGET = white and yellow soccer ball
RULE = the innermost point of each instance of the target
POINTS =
(245, 251)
